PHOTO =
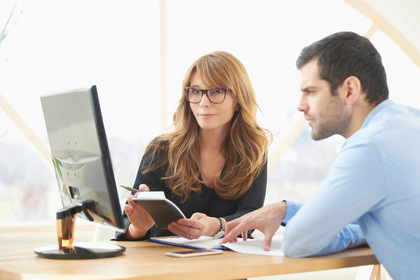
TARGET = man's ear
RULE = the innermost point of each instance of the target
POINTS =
(353, 89)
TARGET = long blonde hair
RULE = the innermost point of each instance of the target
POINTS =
(246, 146)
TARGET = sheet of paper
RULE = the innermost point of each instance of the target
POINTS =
(254, 246)
(202, 242)
(251, 246)
(151, 195)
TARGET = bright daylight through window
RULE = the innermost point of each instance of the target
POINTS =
(56, 46)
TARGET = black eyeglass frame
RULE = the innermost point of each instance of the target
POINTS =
(205, 91)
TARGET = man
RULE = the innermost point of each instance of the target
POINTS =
(372, 193)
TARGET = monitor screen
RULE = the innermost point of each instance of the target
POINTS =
(80, 153)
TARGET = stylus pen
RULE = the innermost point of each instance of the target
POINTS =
(129, 188)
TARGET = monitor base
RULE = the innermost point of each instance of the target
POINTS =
(83, 250)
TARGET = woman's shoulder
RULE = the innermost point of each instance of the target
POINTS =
(156, 149)
(159, 143)
(162, 139)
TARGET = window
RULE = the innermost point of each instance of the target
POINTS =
(115, 45)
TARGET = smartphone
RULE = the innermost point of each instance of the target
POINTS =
(194, 253)
(129, 189)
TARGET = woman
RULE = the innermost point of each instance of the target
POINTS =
(213, 166)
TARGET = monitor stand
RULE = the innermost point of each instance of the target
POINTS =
(66, 218)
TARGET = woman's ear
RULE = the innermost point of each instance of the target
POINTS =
(237, 107)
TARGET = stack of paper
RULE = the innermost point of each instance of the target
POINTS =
(251, 246)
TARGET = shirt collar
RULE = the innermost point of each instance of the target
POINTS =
(380, 106)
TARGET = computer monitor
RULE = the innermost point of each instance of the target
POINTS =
(83, 169)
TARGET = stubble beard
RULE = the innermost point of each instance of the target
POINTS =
(334, 120)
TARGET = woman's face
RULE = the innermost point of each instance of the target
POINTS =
(210, 116)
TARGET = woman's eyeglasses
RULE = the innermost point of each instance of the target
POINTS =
(214, 95)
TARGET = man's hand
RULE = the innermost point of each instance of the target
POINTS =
(266, 219)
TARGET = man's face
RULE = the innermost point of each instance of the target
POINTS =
(325, 113)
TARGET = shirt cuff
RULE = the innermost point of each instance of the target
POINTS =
(292, 208)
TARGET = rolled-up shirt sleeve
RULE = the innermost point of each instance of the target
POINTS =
(326, 222)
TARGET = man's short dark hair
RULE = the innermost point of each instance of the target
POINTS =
(345, 54)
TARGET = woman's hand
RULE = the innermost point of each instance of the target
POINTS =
(141, 221)
(198, 225)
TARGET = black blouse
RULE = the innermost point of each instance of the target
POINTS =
(207, 202)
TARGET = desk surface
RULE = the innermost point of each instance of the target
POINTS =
(147, 260)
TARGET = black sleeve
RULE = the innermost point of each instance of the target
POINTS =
(152, 180)
(253, 199)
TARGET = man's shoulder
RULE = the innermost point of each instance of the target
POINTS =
(395, 113)
(390, 119)
(388, 130)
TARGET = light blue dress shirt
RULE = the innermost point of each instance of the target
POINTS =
(372, 194)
